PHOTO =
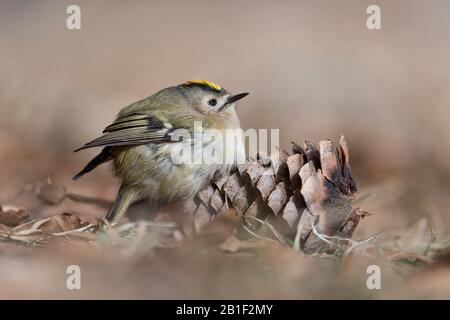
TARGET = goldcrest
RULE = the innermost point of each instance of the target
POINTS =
(141, 144)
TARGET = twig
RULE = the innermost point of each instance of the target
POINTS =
(271, 228)
(325, 238)
(73, 231)
(257, 235)
(405, 255)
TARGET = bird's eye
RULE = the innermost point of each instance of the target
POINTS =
(212, 102)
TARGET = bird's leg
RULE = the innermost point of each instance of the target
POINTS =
(125, 197)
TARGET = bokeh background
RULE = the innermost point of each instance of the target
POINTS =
(313, 68)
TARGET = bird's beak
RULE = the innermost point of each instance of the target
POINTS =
(236, 97)
(232, 99)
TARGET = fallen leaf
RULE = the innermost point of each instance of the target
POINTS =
(233, 244)
(61, 223)
(12, 217)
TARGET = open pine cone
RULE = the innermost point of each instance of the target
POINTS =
(307, 193)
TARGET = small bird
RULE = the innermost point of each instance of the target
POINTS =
(141, 143)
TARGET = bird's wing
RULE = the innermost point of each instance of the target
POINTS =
(133, 129)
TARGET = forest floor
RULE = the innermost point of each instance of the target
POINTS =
(48, 224)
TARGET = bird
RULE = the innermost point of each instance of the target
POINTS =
(145, 136)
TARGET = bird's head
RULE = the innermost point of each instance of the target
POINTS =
(210, 99)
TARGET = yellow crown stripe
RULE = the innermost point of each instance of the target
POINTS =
(207, 83)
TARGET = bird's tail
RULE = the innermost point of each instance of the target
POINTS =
(125, 197)
(102, 157)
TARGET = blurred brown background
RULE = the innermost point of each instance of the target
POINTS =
(313, 68)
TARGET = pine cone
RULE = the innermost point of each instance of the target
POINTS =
(308, 192)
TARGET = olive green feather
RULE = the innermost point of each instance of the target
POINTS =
(139, 142)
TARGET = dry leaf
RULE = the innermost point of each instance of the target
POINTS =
(13, 217)
(61, 223)
(233, 244)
